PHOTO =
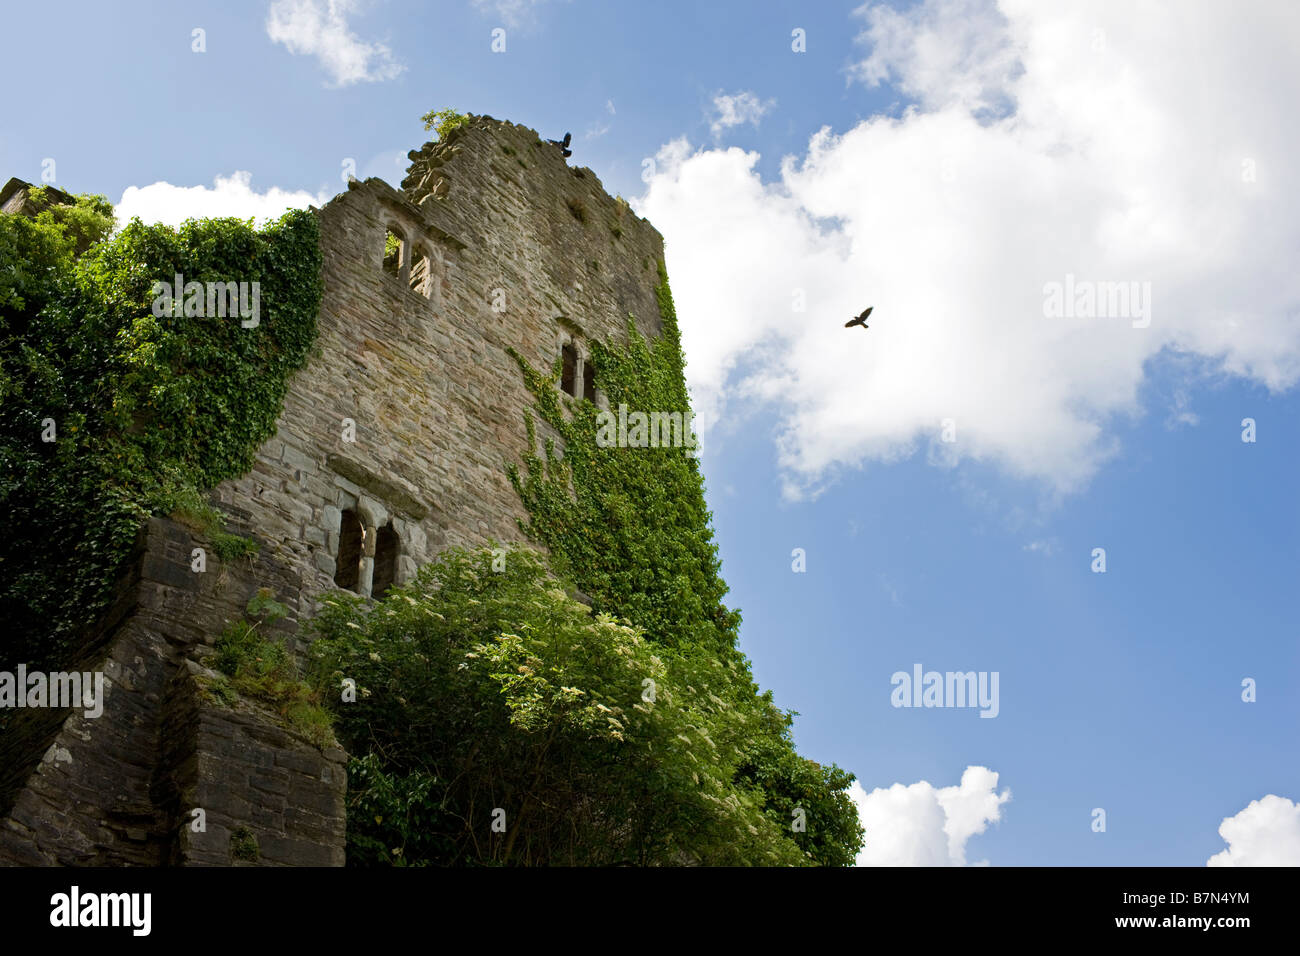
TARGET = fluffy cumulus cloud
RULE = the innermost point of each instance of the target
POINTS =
(733, 109)
(951, 53)
(320, 28)
(228, 196)
(1266, 833)
(921, 825)
(1071, 192)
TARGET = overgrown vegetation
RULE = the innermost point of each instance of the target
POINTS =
(443, 122)
(259, 666)
(497, 719)
(630, 731)
(243, 845)
(629, 525)
(486, 694)
(188, 507)
(109, 413)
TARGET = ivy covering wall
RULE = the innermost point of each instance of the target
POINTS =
(109, 413)
(630, 525)
(500, 720)
(627, 731)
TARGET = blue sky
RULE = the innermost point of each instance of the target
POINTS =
(971, 155)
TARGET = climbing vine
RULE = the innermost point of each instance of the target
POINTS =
(111, 412)
(629, 525)
(631, 529)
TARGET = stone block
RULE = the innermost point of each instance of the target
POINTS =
(373, 514)
(298, 461)
(333, 518)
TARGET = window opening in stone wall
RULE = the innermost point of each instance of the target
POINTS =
(347, 571)
(392, 253)
(420, 279)
(589, 380)
(386, 546)
(568, 369)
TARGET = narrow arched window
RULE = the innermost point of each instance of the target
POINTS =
(347, 572)
(386, 546)
(393, 253)
(588, 380)
(568, 370)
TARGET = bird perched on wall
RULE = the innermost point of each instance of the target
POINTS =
(563, 144)
(860, 320)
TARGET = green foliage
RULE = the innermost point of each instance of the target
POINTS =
(187, 506)
(35, 252)
(264, 606)
(631, 528)
(243, 845)
(630, 525)
(444, 121)
(790, 783)
(394, 819)
(147, 409)
(480, 689)
(229, 547)
(261, 668)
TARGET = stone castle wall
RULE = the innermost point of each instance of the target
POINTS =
(424, 374)
(404, 420)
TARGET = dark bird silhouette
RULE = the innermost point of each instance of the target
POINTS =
(860, 320)
(563, 144)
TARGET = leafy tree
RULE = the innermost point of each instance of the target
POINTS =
(35, 252)
(482, 691)
(444, 121)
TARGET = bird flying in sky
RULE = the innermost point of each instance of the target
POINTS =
(860, 320)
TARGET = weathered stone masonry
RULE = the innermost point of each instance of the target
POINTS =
(392, 445)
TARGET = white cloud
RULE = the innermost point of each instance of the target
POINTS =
(943, 52)
(1266, 833)
(231, 195)
(512, 13)
(919, 825)
(320, 28)
(733, 109)
(1123, 160)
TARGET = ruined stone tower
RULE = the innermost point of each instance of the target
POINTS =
(392, 445)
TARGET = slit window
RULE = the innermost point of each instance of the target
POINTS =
(347, 573)
(589, 380)
(568, 370)
(393, 253)
(385, 561)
